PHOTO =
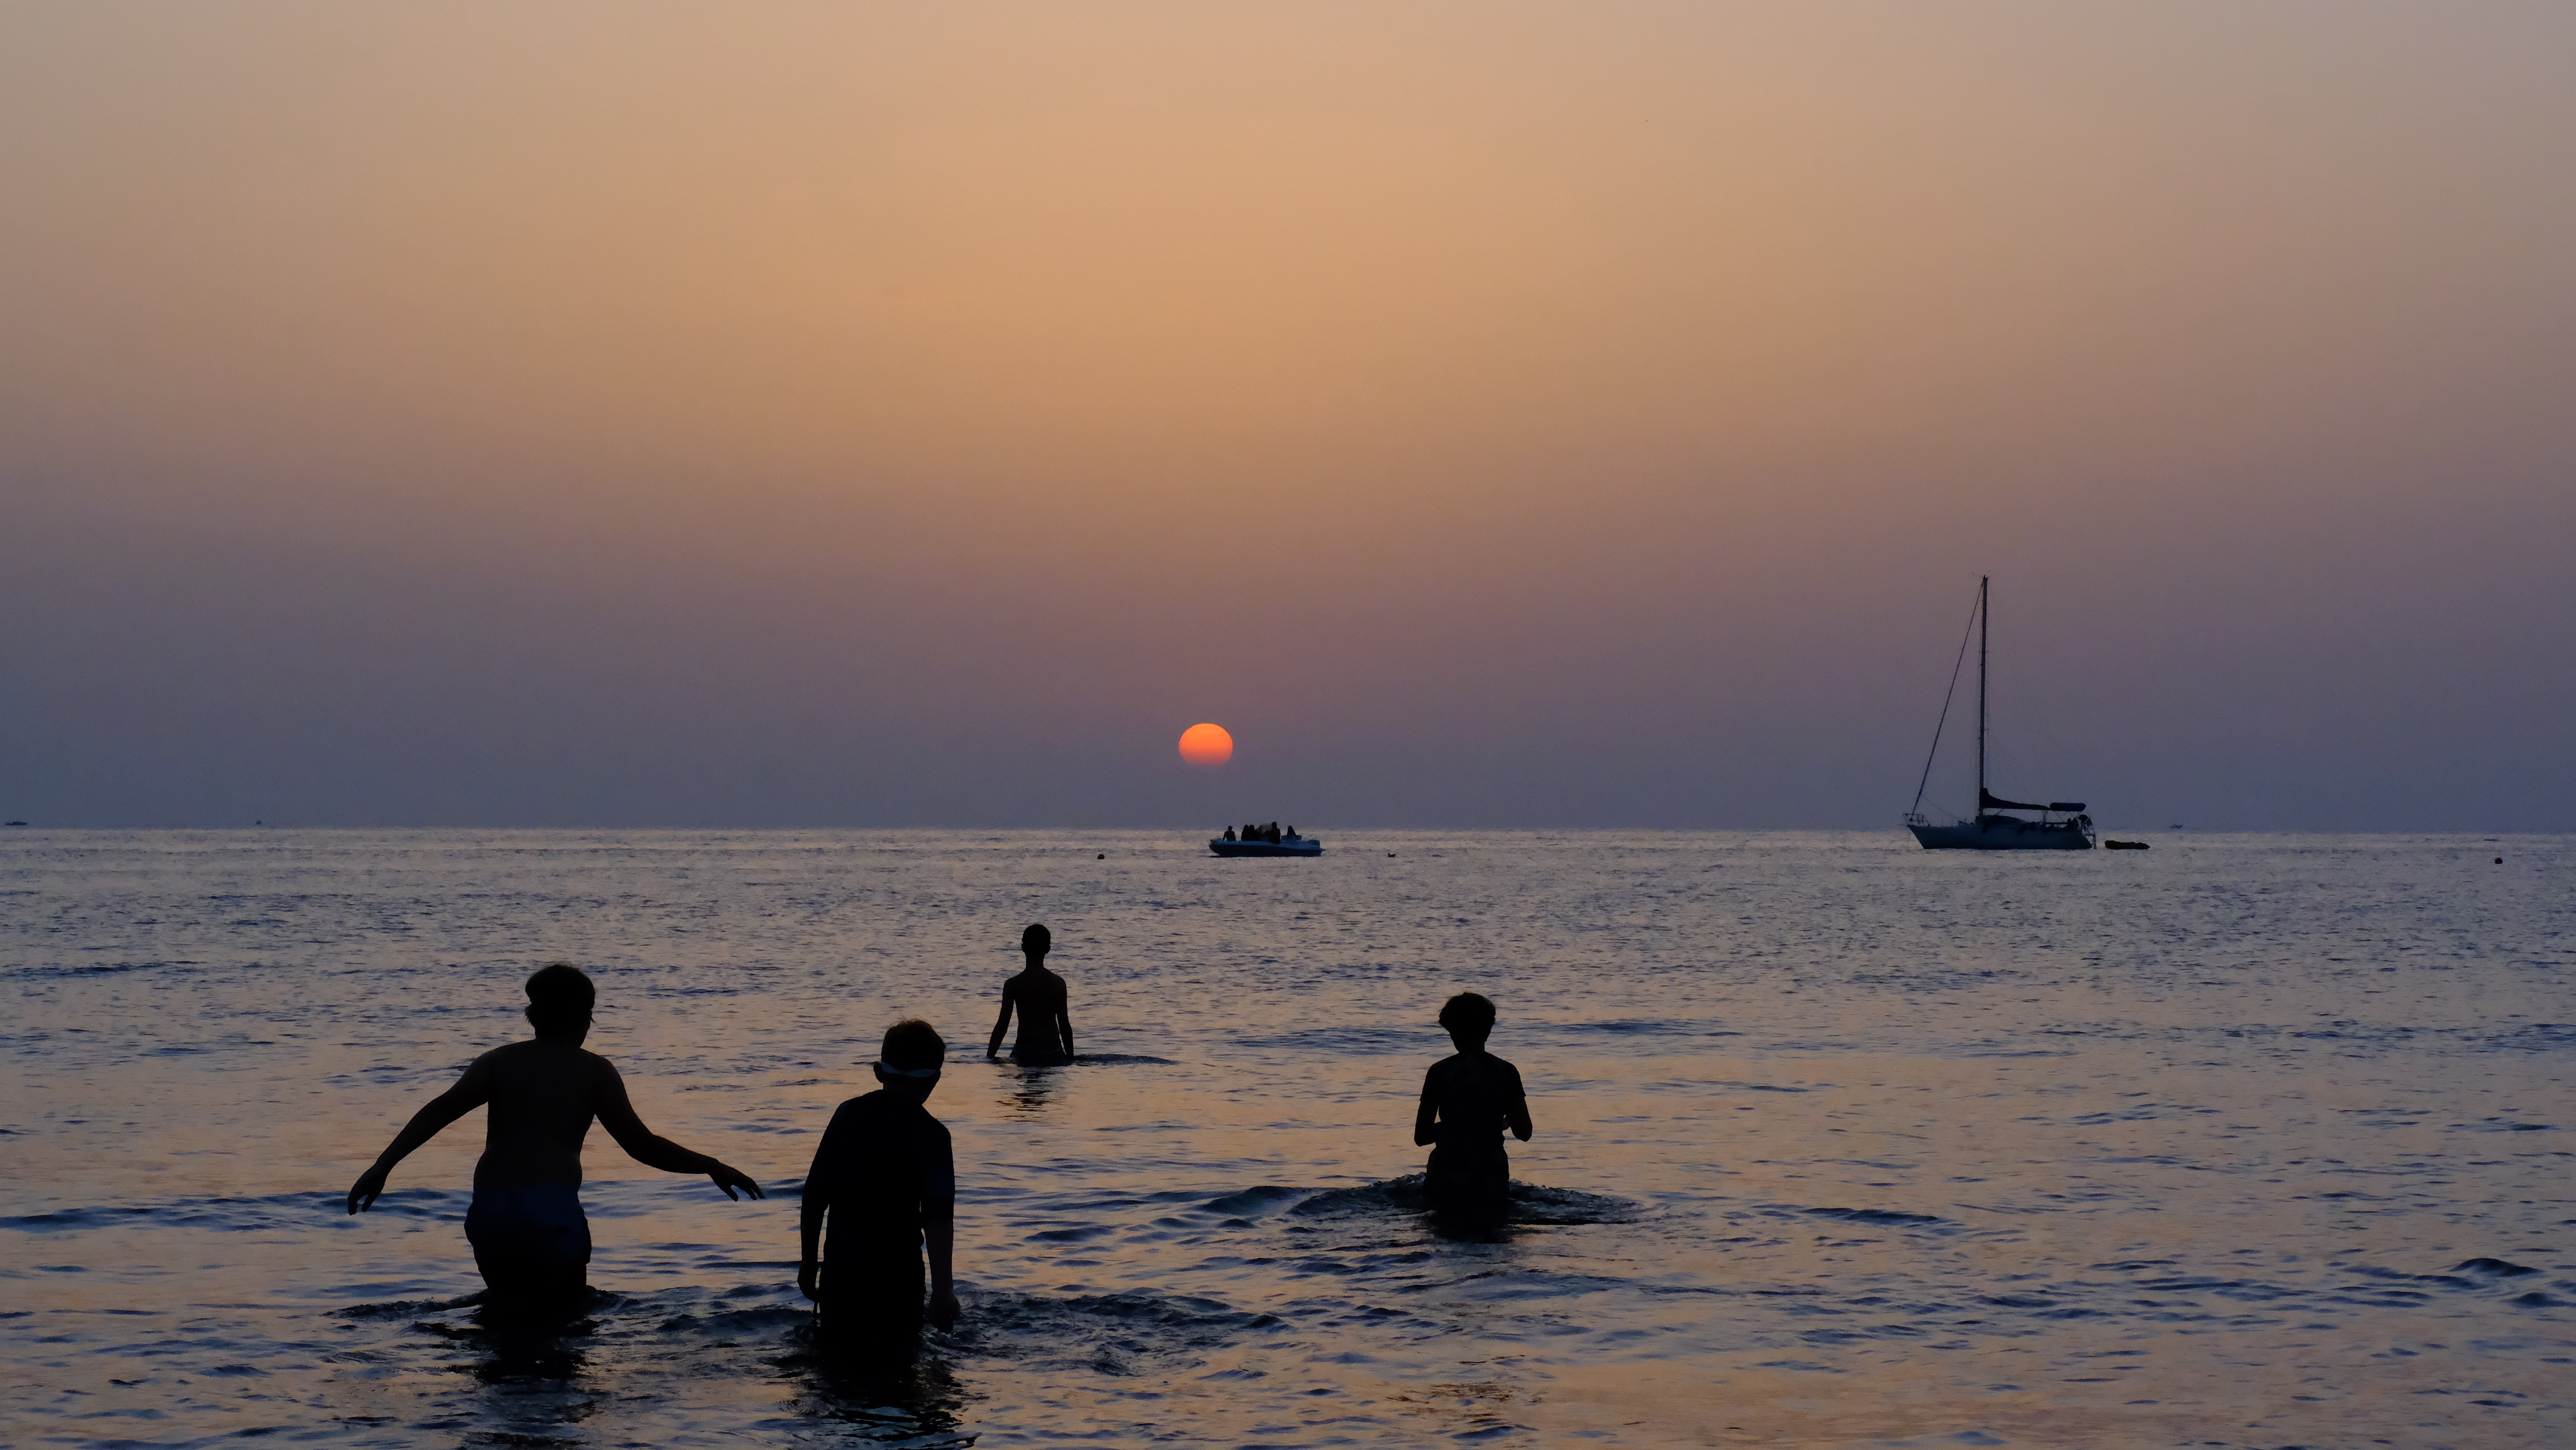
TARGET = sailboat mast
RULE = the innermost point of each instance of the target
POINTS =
(1984, 582)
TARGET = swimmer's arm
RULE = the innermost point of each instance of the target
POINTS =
(939, 1235)
(652, 1150)
(1426, 1118)
(1518, 1114)
(809, 1226)
(1002, 1024)
(472, 1091)
(809, 1231)
(1064, 1023)
(809, 1237)
(817, 1197)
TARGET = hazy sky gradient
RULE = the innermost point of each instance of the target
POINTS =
(1492, 414)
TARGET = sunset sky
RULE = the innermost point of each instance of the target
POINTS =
(1491, 414)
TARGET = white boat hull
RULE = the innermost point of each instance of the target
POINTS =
(2004, 833)
(1302, 846)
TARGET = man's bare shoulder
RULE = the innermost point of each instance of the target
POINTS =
(540, 1049)
(559, 1062)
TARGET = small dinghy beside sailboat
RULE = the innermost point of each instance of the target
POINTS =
(1992, 830)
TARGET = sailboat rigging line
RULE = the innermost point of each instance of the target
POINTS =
(1955, 667)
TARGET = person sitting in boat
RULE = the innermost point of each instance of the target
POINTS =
(1229, 833)
(1292, 833)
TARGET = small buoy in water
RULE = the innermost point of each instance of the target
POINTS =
(1103, 856)
(2499, 860)
(1390, 853)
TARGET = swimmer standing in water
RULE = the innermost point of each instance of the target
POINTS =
(1046, 1027)
(1467, 1102)
(530, 1239)
(883, 1184)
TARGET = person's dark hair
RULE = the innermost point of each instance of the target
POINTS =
(913, 1043)
(559, 999)
(1468, 1012)
(1036, 939)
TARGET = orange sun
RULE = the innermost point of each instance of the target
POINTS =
(1207, 745)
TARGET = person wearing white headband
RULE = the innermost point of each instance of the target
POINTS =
(882, 1187)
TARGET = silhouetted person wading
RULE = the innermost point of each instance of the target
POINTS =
(1046, 1026)
(529, 1236)
(1467, 1102)
(883, 1182)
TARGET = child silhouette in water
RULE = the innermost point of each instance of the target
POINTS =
(1467, 1101)
(884, 1181)
(1046, 1027)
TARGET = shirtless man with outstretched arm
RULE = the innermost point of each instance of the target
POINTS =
(530, 1239)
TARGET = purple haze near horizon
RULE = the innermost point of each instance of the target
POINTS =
(1492, 416)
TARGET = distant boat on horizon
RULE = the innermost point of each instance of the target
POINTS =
(1254, 844)
(1992, 830)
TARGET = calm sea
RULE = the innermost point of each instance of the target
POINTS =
(2242, 1141)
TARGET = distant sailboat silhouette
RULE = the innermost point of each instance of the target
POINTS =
(1991, 830)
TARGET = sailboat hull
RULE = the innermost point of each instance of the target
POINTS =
(2003, 833)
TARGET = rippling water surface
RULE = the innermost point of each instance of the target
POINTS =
(2244, 1141)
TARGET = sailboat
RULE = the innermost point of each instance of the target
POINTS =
(1992, 830)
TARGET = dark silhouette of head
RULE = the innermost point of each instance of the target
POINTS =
(1036, 942)
(559, 1002)
(911, 1046)
(1469, 1016)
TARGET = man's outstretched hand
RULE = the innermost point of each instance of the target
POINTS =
(807, 1275)
(362, 1194)
(729, 1178)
